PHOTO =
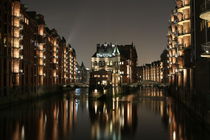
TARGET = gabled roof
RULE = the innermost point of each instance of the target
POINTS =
(106, 50)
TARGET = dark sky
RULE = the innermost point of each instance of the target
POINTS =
(84, 23)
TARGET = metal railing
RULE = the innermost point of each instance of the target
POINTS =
(205, 6)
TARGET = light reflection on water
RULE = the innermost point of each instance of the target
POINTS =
(146, 114)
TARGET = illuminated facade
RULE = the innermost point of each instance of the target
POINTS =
(157, 71)
(180, 45)
(188, 47)
(33, 56)
(151, 72)
(203, 68)
(113, 65)
(181, 48)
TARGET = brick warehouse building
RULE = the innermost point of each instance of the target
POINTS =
(113, 65)
(32, 56)
(150, 72)
(185, 64)
(188, 54)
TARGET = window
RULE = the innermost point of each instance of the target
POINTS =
(111, 63)
(100, 63)
(95, 63)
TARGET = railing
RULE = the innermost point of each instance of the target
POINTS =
(205, 10)
(181, 4)
(184, 33)
(205, 6)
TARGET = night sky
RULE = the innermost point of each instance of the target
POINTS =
(84, 23)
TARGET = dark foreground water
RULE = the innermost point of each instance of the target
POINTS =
(145, 115)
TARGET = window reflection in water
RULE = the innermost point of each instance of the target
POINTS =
(112, 120)
(74, 116)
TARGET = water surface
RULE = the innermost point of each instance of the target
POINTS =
(143, 115)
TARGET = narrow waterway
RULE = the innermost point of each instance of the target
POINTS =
(144, 115)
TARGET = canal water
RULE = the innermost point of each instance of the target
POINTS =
(146, 114)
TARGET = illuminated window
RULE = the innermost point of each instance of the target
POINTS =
(16, 33)
(41, 62)
(16, 53)
(41, 47)
(26, 21)
(104, 82)
(54, 73)
(15, 65)
(54, 60)
(40, 71)
(16, 22)
(41, 54)
(41, 30)
(16, 9)
(16, 43)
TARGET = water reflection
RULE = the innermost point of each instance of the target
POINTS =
(147, 114)
(112, 120)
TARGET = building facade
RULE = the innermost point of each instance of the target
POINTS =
(32, 55)
(188, 48)
(164, 67)
(82, 74)
(139, 73)
(113, 65)
(180, 44)
(150, 72)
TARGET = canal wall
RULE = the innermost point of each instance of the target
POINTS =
(195, 103)
(19, 95)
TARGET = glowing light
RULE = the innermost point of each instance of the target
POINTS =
(174, 135)
(23, 133)
(95, 107)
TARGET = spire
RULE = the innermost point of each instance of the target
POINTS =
(82, 65)
(116, 51)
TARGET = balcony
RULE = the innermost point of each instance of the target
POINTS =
(184, 34)
(205, 15)
(16, 16)
(205, 50)
(184, 7)
(184, 20)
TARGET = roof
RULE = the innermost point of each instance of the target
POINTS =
(106, 50)
(111, 50)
